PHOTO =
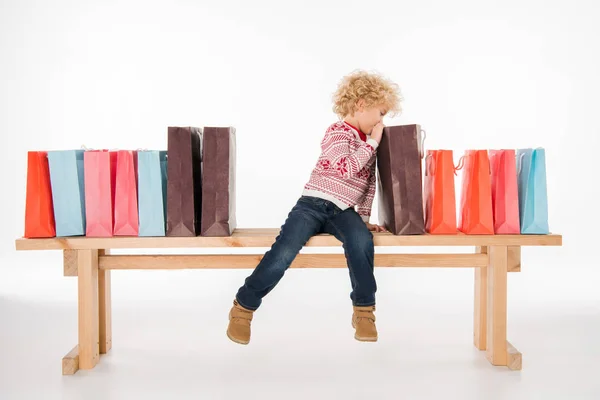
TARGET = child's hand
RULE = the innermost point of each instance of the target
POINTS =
(377, 132)
(376, 228)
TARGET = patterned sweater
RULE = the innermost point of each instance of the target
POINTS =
(345, 171)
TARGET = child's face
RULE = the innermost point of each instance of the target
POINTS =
(368, 117)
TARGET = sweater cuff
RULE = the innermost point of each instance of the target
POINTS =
(373, 143)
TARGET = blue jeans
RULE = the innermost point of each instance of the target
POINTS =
(310, 216)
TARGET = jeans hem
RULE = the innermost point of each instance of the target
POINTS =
(364, 305)
(246, 307)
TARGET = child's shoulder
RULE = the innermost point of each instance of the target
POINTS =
(338, 126)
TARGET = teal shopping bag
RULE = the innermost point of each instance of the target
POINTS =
(68, 195)
(533, 192)
(152, 192)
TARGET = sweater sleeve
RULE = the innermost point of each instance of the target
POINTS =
(336, 149)
(365, 206)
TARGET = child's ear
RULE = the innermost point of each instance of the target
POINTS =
(360, 105)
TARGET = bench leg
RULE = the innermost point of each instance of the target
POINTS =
(497, 275)
(104, 308)
(480, 315)
(87, 272)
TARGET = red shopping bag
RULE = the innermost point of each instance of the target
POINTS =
(505, 192)
(476, 201)
(439, 193)
(39, 212)
(99, 182)
(126, 203)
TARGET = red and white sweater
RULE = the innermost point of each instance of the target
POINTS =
(345, 171)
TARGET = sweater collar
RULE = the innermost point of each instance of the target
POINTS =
(360, 133)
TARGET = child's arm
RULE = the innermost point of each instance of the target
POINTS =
(336, 149)
(366, 204)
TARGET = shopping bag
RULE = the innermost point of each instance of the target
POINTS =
(126, 201)
(533, 191)
(505, 195)
(100, 179)
(184, 183)
(399, 180)
(68, 199)
(476, 216)
(39, 212)
(152, 192)
(218, 181)
(439, 193)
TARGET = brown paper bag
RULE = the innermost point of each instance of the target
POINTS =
(218, 181)
(400, 180)
(184, 181)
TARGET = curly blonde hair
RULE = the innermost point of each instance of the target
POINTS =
(370, 86)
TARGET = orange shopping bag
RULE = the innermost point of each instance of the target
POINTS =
(476, 198)
(439, 193)
(39, 212)
(505, 192)
(126, 203)
(99, 178)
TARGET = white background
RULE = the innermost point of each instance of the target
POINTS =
(474, 74)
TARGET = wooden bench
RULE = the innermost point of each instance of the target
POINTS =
(90, 260)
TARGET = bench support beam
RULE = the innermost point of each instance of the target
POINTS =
(235, 261)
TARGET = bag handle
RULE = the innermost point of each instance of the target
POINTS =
(461, 164)
(423, 137)
(520, 163)
(85, 148)
(429, 169)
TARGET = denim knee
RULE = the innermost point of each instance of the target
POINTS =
(361, 241)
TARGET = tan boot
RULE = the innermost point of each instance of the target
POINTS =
(239, 324)
(363, 320)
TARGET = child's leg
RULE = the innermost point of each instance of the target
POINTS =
(350, 229)
(304, 220)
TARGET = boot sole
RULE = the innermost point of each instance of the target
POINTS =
(363, 339)
(236, 340)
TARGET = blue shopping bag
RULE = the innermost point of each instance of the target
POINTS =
(152, 192)
(533, 192)
(68, 195)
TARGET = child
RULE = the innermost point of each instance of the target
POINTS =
(344, 177)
